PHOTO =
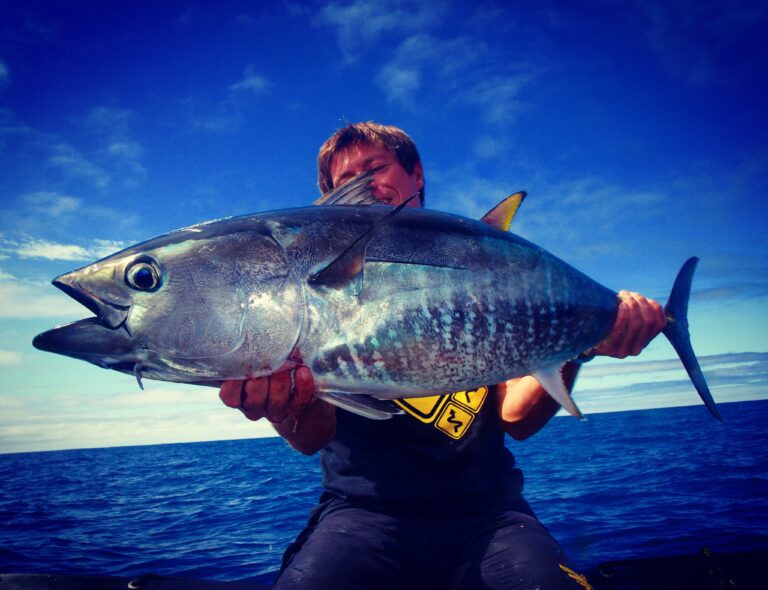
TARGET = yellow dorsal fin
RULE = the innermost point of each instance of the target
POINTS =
(502, 214)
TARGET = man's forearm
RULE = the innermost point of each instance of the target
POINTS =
(524, 405)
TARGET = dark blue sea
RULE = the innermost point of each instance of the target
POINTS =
(619, 486)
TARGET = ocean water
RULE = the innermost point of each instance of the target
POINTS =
(619, 486)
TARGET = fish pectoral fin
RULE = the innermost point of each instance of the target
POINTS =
(357, 191)
(551, 379)
(361, 404)
(501, 215)
(348, 265)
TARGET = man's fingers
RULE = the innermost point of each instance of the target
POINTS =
(230, 393)
(644, 319)
(303, 389)
(274, 397)
(254, 397)
(636, 333)
(614, 345)
(653, 320)
(638, 321)
(255, 393)
(630, 324)
(278, 402)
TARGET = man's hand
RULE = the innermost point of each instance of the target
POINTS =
(638, 321)
(275, 397)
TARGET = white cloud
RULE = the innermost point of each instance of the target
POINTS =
(50, 204)
(610, 386)
(112, 127)
(421, 60)
(225, 115)
(252, 82)
(694, 40)
(5, 74)
(40, 32)
(51, 251)
(106, 154)
(108, 121)
(26, 300)
(10, 357)
(168, 413)
(53, 214)
(124, 149)
(470, 195)
(498, 96)
(181, 413)
(400, 83)
(487, 146)
(184, 19)
(101, 248)
(461, 68)
(11, 125)
(361, 23)
(48, 250)
(557, 213)
(74, 163)
(212, 117)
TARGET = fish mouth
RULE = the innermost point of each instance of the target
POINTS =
(111, 314)
(91, 340)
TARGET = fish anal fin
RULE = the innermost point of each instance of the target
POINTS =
(551, 380)
(502, 214)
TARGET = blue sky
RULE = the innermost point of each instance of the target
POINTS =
(639, 130)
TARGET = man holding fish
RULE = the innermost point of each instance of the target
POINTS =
(431, 497)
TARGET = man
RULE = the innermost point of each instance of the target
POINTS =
(430, 498)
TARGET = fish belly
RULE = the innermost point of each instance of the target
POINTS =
(423, 330)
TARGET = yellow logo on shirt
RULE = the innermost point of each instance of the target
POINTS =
(451, 414)
(580, 579)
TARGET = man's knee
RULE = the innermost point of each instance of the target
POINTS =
(341, 552)
(519, 553)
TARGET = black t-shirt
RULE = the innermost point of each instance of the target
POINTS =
(444, 452)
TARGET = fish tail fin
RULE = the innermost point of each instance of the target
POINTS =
(677, 333)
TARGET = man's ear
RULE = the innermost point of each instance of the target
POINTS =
(418, 175)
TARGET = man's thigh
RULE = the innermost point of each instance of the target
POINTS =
(349, 548)
(514, 551)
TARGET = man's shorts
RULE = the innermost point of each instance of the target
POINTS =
(346, 547)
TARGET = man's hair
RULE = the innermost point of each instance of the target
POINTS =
(388, 137)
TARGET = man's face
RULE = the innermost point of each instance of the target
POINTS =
(391, 184)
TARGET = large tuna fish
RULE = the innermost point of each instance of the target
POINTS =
(380, 303)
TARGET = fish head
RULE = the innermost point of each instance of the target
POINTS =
(200, 305)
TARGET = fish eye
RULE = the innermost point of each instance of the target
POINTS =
(143, 275)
